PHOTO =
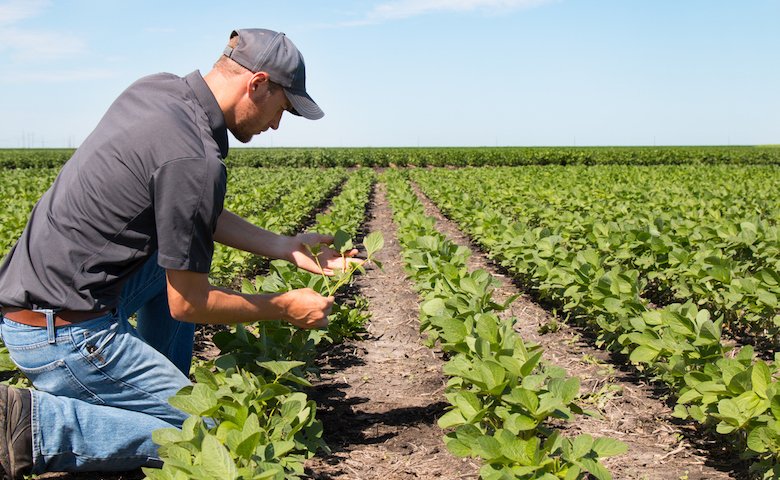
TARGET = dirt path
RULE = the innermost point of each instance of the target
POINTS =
(658, 448)
(379, 399)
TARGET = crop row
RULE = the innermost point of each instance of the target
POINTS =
(448, 156)
(708, 234)
(733, 393)
(250, 417)
(503, 397)
(21, 189)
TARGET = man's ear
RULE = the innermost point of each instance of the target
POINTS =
(256, 80)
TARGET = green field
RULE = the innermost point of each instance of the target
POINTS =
(668, 256)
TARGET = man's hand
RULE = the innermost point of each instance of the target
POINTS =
(329, 259)
(306, 308)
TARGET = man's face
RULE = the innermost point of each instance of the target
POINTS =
(261, 109)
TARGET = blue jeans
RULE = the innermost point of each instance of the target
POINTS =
(102, 387)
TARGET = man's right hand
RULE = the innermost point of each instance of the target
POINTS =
(306, 308)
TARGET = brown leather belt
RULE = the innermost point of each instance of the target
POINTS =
(61, 318)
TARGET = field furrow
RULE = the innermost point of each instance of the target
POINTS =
(380, 397)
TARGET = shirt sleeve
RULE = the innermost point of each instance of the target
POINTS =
(188, 196)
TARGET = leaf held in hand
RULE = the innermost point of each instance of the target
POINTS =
(342, 241)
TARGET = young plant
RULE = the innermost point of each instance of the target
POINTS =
(342, 242)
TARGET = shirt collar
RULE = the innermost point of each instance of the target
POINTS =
(209, 103)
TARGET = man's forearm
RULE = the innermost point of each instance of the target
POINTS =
(192, 299)
(227, 307)
(236, 232)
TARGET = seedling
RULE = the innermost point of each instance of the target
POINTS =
(373, 242)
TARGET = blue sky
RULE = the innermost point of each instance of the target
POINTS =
(424, 72)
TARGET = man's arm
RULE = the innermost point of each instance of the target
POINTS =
(236, 232)
(191, 298)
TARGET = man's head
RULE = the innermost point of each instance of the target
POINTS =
(261, 50)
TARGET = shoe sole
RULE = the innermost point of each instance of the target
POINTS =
(5, 457)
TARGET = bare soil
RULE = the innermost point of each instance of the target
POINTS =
(379, 399)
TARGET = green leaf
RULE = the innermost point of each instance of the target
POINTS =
(680, 411)
(468, 403)
(643, 354)
(280, 367)
(164, 436)
(205, 377)
(452, 329)
(566, 390)
(282, 447)
(458, 447)
(613, 305)
(463, 439)
(248, 446)
(488, 448)
(581, 445)
(373, 242)
(453, 418)
(596, 469)
(487, 328)
(774, 405)
(518, 422)
(434, 307)
(217, 461)
(512, 447)
(197, 400)
(609, 447)
(493, 374)
(342, 241)
(767, 298)
(761, 439)
(709, 332)
(531, 363)
(247, 286)
(761, 378)
(730, 415)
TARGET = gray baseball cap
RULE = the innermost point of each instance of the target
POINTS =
(261, 50)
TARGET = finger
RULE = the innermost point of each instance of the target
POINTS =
(352, 252)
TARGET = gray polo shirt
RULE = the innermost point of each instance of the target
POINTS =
(150, 178)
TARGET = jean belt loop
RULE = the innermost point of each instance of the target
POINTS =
(49, 323)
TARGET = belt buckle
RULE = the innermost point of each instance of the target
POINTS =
(49, 313)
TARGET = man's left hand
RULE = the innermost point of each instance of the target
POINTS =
(329, 259)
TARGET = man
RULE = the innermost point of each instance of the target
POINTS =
(128, 227)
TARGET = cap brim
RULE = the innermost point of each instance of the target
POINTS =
(303, 105)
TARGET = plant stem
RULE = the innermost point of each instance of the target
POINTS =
(322, 272)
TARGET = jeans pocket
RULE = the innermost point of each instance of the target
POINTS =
(57, 378)
(92, 338)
